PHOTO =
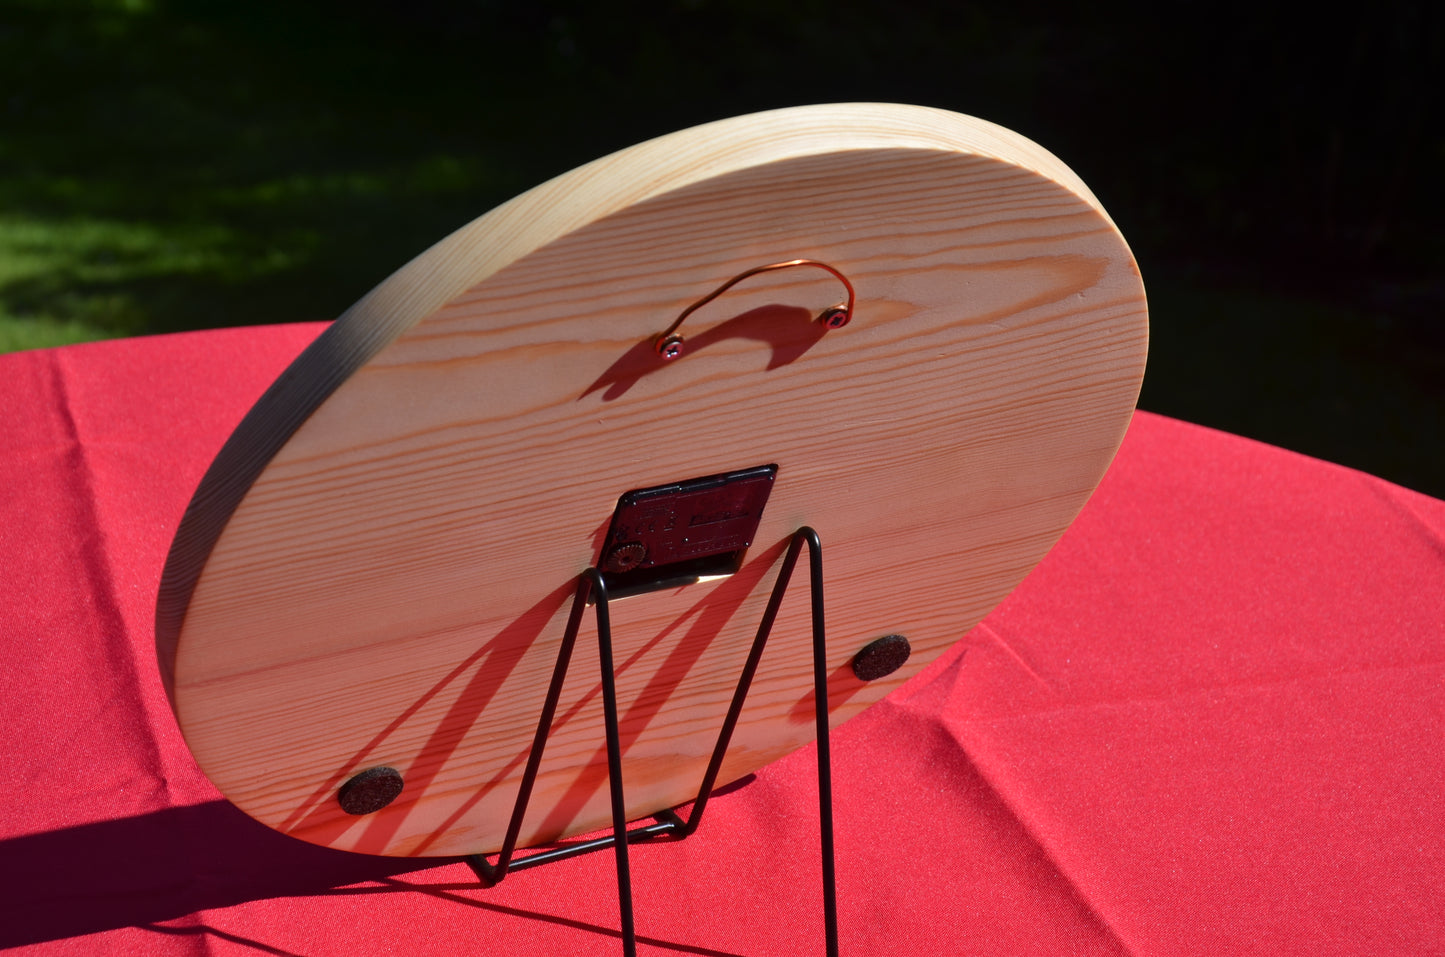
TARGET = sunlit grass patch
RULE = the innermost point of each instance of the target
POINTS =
(76, 278)
(73, 279)
(42, 333)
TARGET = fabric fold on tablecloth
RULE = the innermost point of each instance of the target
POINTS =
(1421, 510)
(97, 567)
(931, 703)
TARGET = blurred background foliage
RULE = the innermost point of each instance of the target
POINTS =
(179, 164)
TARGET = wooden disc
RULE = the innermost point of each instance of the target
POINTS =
(376, 571)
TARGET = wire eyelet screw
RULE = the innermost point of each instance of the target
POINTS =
(835, 317)
(669, 347)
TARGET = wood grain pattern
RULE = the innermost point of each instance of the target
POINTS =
(377, 568)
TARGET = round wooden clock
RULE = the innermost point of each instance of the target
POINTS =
(914, 331)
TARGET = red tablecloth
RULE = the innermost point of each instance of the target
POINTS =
(1209, 723)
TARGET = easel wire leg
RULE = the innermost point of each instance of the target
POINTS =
(745, 680)
(490, 874)
(669, 824)
(614, 765)
(825, 764)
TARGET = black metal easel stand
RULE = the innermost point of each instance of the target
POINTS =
(667, 823)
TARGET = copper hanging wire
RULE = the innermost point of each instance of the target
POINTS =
(669, 344)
